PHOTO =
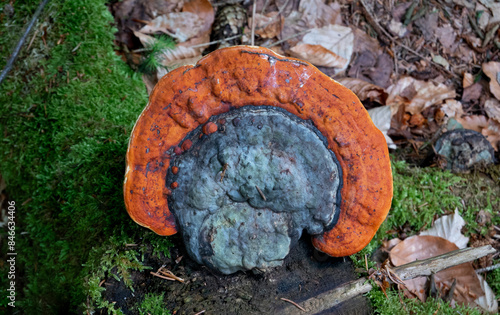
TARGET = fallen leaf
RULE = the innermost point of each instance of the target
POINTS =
(492, 70)
(428, 25)
(364, 90)
(364, 42)
(373, 68)
(494, 8)
(492, 108)
(449, 227)
(181, 25)
(174, 56)
(318, 55)
(472, 93)
(381, 117)
(420, 94)
(338, 42)
(194, 21)
(468, 80)
(452, 108)
(468, 287)
(492, 133)
(475, 122)
(440, 60)
(268, 25)
(487, 302)
(447, 37)
(317, 14)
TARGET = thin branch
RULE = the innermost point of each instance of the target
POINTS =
(253, 21)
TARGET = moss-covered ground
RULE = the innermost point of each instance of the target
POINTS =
(66, 112)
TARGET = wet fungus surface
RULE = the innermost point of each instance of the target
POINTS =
(248, 191)
(247, 149)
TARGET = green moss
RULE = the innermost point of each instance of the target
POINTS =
(153, 304)
(396, 303)
(67, 111)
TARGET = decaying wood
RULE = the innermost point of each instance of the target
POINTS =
(408, 271)
(432, 265)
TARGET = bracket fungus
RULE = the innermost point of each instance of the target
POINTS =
(247, 149)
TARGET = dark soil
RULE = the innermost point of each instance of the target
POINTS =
(304, 274)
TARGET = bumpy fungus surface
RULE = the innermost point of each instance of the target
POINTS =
(248, 191)
(233, 78)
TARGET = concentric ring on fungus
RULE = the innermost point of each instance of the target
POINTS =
(187, 157)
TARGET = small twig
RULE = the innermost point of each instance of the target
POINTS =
(199, 313)
(216, 41)
(170, 274)
(490, 268)
(261, 193)
(287, 38)
(76, 48)
(32, 39)
(166, 274)
(292, 302)
(253, 21)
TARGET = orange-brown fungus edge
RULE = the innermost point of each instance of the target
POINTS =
(241, 76)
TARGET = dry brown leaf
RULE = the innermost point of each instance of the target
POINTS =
(492, 133)
(318, 55)
(317, 14)
(179, 25)
(337, 42)
(447, 37)
(486, 18)
(468, 80)
(173, 56)
(205, 12)
(468, 287)
(492, 108)
(476, 122)
(194, 21)
(364, 42)
(420, 94)
(452, 108)
(492, 70)
(268, 25)
(365, 90)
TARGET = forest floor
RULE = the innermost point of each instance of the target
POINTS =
(83, 77)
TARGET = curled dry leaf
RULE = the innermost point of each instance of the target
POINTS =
(449, 227)
(420, 94)
(468, 80)
(268, 25)
(488, 301)
(180, 56)
(365, 90)
(381, 117)
(337, 41)
(492, 70)
(318, 55)
(468, 287)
